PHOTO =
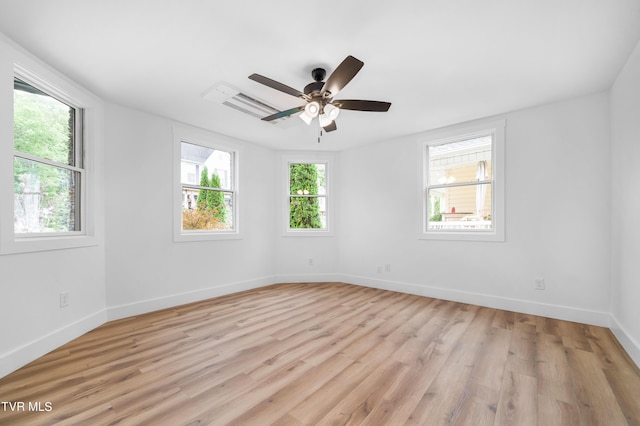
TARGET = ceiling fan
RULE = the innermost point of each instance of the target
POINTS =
(320, 95)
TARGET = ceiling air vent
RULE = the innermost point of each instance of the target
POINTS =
(225, 94)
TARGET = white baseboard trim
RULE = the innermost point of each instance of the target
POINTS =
(21, 356)
(566, 313)
(308, 278)
(629, 344)
(150, 305)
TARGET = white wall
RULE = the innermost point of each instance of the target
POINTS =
(146, 270)
(32, 321)
(557, 228)
(293, 254)
(625, 167)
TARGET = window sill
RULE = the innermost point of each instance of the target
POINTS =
(307, 233)
(462, 236)
(205, 236)
(36, 244)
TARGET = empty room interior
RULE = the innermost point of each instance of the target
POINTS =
(320, 213)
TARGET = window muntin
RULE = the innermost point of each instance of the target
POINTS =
(459, 185)
(48, 169)
(208, 185)
(307, 196)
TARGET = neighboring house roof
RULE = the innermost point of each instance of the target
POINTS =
(195, 153)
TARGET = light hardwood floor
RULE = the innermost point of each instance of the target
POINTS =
(330, 353)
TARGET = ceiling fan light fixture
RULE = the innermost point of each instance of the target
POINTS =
(304, 116)
(325, 120)
(312, 108)
(331, 111)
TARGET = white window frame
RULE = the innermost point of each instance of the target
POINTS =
(328, 159)
(213, 141)
(55, 85)
(496, 129)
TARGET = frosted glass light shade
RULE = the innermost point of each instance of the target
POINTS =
(312, 108)
(324, 119)
(305, 117)
(331, 111)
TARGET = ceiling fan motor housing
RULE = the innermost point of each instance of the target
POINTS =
(316, 86)
(318, 74)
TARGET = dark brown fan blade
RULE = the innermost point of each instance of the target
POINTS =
(278, 86)
(331, 127)
(359, 105)
(342, 75)
(283, 113)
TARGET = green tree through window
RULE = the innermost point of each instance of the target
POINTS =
(46, 173)
(304, 210)
(211, 211)
(215, 199)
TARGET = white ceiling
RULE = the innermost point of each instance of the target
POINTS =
(438, 62)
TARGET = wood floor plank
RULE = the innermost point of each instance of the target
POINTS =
(626, 389)
(522, 350)
(277, 405)
(597, 403)
(399, 402)
(443, 400)
(287, 420)
(358, 403)
(330, 353)
(553, 367)
(518, 404)
(227, 412)
(315, 406)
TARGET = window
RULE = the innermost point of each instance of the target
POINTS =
(207, 186)
(463, 185)
(47, 164)
(307, 195)
(47, 182)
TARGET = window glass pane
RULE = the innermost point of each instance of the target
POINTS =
(207, 210)
(465, 207)
(308, 189)
(46, 198)
(307, 212)
(204, 166)
(307, 179)
(460, 162)
(43, 126)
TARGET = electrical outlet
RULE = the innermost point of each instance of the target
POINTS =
(539, 284)
(387, 267)
(64, 299)
(310, 261)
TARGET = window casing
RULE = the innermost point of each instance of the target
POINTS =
(206, 187)
(307, 204)
(462, 194)
(47, 178)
